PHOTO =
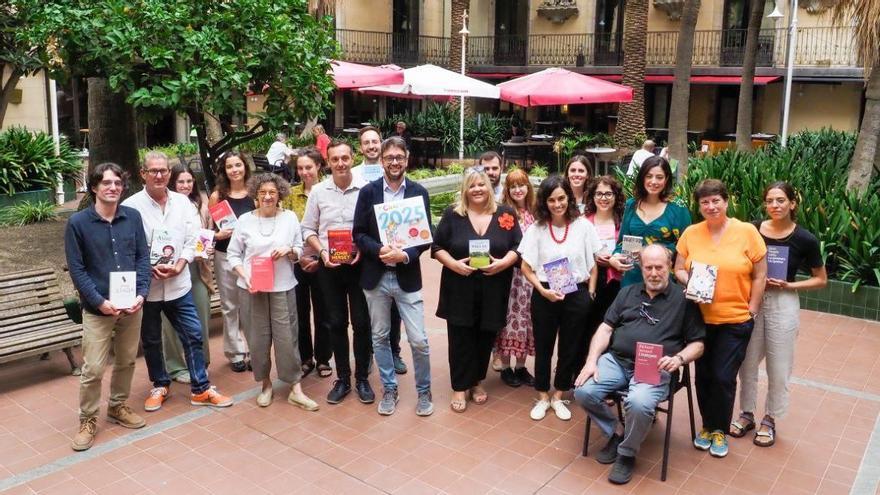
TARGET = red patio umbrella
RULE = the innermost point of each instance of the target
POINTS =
(348, 75)
(557, 86)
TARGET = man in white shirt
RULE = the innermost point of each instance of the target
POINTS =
(640, 156)
(330, 207)
(491, 163)
(279, 153)
(172, 217)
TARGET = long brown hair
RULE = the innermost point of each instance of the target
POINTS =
(223, 183)
(518, 177)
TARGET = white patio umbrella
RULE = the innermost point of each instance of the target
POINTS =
(430, 80)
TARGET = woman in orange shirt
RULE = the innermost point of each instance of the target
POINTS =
(736, 252)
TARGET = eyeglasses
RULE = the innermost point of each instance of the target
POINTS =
(643, 312)
(111, 183)
(394, 159)
(156, 172)
(604, 195)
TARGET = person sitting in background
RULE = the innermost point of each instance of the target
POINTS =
(279, 153)
(654, 312)
(640, 156)
(401, 131)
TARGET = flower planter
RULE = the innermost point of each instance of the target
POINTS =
(38, 195)
(838, 298)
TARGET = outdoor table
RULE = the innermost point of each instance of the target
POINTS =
(425, 142)
(351, 130)
(525, 149)
(600, 154)
(542, 137)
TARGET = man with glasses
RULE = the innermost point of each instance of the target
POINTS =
(391, 277)
(170, 219)
(330, 207)
(98, 241)
(652, 312)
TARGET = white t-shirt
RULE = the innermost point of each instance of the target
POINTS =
(638, 159)
(582, 243)
(255, 236)
(278, 151)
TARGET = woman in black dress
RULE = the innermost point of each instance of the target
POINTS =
(473, 301)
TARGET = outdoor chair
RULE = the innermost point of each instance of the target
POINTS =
(679, 381)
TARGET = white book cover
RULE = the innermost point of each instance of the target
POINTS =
(701, 284)
(631, 246)
(162, 248)
(123, 289)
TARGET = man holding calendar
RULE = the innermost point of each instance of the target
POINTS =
(391, 274)
(654, 314)
(109, 264)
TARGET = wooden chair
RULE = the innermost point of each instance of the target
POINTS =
(679, 381)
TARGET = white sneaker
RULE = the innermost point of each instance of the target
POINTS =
(562, 412)
(264, 398)
(540, 410)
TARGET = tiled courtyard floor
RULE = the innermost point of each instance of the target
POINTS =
(825, 444)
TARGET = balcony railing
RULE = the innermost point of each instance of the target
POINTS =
(816, 47)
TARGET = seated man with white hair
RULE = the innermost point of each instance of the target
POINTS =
(639, 157)
(279, 150)
(652, 312)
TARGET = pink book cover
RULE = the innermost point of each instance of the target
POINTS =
(223, 215)
(647, 357)
(262, 274)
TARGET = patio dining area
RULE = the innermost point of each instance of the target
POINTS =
(827, 444)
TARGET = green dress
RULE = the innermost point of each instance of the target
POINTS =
(665, 229)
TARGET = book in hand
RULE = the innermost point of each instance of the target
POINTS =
(479, 252)
(777, 262)
(162, 250)
(647, 358)
(204, 241)
(224, 217)
(123, 289)
(701, 284)
(559, 276)
(403, 223)
(340, 246)
(262, 274)
(606, 238)
(631, 246)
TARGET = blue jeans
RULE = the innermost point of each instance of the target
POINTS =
(640, 402)
(184, 318)
(412, 312)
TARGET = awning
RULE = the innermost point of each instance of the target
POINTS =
(721, 80)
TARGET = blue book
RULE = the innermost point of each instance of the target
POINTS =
(777, 262)
(559, 276)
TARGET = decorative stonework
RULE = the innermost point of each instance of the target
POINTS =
(817, 6)
(557, 11)
(672, 8)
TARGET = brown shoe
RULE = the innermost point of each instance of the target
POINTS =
(88, 428)
(125, 417)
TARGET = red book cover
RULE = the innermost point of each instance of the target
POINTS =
(223, 215)
(647, 357)
(340, 246)
(262, 274)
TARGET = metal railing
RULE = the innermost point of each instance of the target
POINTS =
(816, 47)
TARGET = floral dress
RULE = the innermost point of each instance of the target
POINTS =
(516, 339)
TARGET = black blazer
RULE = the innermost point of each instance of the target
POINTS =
(366, 234)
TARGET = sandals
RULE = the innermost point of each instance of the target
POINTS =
(459, 406)
(743, 424)
(766, 435)
(324, 370)
(479, 396)
(307, 368)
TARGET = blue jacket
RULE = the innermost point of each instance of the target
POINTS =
(366, 235)
(95, 247)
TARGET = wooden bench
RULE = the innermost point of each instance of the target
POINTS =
(33, 320)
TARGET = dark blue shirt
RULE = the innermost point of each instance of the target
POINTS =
(95, 247)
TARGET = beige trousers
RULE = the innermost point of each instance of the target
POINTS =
(273, 323)
(101, 334)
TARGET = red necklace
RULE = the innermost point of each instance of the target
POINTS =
(564, 235)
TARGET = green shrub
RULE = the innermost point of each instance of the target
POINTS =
(28, 161)
(26, 213)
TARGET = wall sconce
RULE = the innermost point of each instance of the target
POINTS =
(565, 109)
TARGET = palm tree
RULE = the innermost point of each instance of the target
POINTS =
(459, 7)
(681, 87)
(865, 15)
(744, 109)
(631, 119)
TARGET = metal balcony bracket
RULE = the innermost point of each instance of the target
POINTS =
(672, 8)
(557, 11)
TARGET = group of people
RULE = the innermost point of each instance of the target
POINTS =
(612, 297)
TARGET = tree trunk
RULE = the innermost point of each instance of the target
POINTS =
(112, 130)
(7, 89)
(867, 153)
(213, 129)
(631, 118)
(750, 57)
(681, 87)
(458, 9)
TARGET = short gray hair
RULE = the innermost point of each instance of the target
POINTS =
(281, 137)
(655, 247)
(154, 155)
